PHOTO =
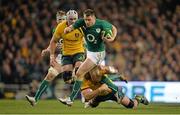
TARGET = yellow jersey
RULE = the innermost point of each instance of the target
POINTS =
(72, 42)
(89, 84)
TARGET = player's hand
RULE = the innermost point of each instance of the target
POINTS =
(67, 30)
(44, 52)
(107, 38)
(52, 60)
(123, 78)
(112, 70)
(103, 88)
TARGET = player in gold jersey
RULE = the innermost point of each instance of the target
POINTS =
(95, 92)
(73, 46)
(53, 71)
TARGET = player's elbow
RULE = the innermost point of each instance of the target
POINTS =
(114, 32)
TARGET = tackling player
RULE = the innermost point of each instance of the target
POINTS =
(96, 92)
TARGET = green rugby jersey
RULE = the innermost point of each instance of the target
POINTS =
(94, 42)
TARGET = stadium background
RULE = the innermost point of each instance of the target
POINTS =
(147, 47)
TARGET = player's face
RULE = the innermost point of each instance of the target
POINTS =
(72, 20)
(59, 18)
(89, 20)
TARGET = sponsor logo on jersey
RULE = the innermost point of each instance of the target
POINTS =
(98, 30)
(77, 35)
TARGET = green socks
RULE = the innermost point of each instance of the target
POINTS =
(76, 88)
(111, 85)
(41, 90)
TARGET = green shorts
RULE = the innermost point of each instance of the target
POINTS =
(72, 59)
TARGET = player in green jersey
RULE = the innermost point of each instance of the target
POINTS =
(53, 71)
(94, 37)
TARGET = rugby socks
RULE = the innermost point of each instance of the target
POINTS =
(109, 83)
(41, 90)
(76, 89)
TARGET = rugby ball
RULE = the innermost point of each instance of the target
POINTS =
(107, 32)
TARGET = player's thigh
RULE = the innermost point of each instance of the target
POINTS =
(51, 74)
(68, 67)
(86, 66)
(58, 67)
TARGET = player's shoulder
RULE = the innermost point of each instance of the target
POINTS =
(62, 24)
(81, 19)
(102, 21)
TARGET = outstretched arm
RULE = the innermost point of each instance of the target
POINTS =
(90, 94)
(68, 29)
(99, 71)
(52, 47)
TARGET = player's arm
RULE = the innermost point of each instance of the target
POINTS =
(46, 50)
(68, 29)
(90, 94)
(114, 33)
(52, 46)
(99, 71)
(110, 38)
(76, 25)
(107, 25)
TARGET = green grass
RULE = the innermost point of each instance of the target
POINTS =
(55, 107)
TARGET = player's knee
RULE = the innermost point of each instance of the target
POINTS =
(51, 74)
(130, 105)
(49, 78)
(76, 69)
(59, 75)
(79, 74)
(53, 71)
(67, 76)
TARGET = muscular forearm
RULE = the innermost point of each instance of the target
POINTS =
(48, 48)
(52, 46)
(107, 70)
(91, 95)
(68, 29)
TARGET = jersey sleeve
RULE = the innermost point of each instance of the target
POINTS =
(106, 24)
(78, 23)
(58, 31)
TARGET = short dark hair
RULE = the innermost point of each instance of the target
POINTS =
(89, 12)
(60, 13)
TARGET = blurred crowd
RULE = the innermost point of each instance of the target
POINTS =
(147, 46)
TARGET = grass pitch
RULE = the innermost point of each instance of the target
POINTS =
(55, 107)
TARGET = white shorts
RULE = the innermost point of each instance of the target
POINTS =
(103, 62)
(96, 57)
